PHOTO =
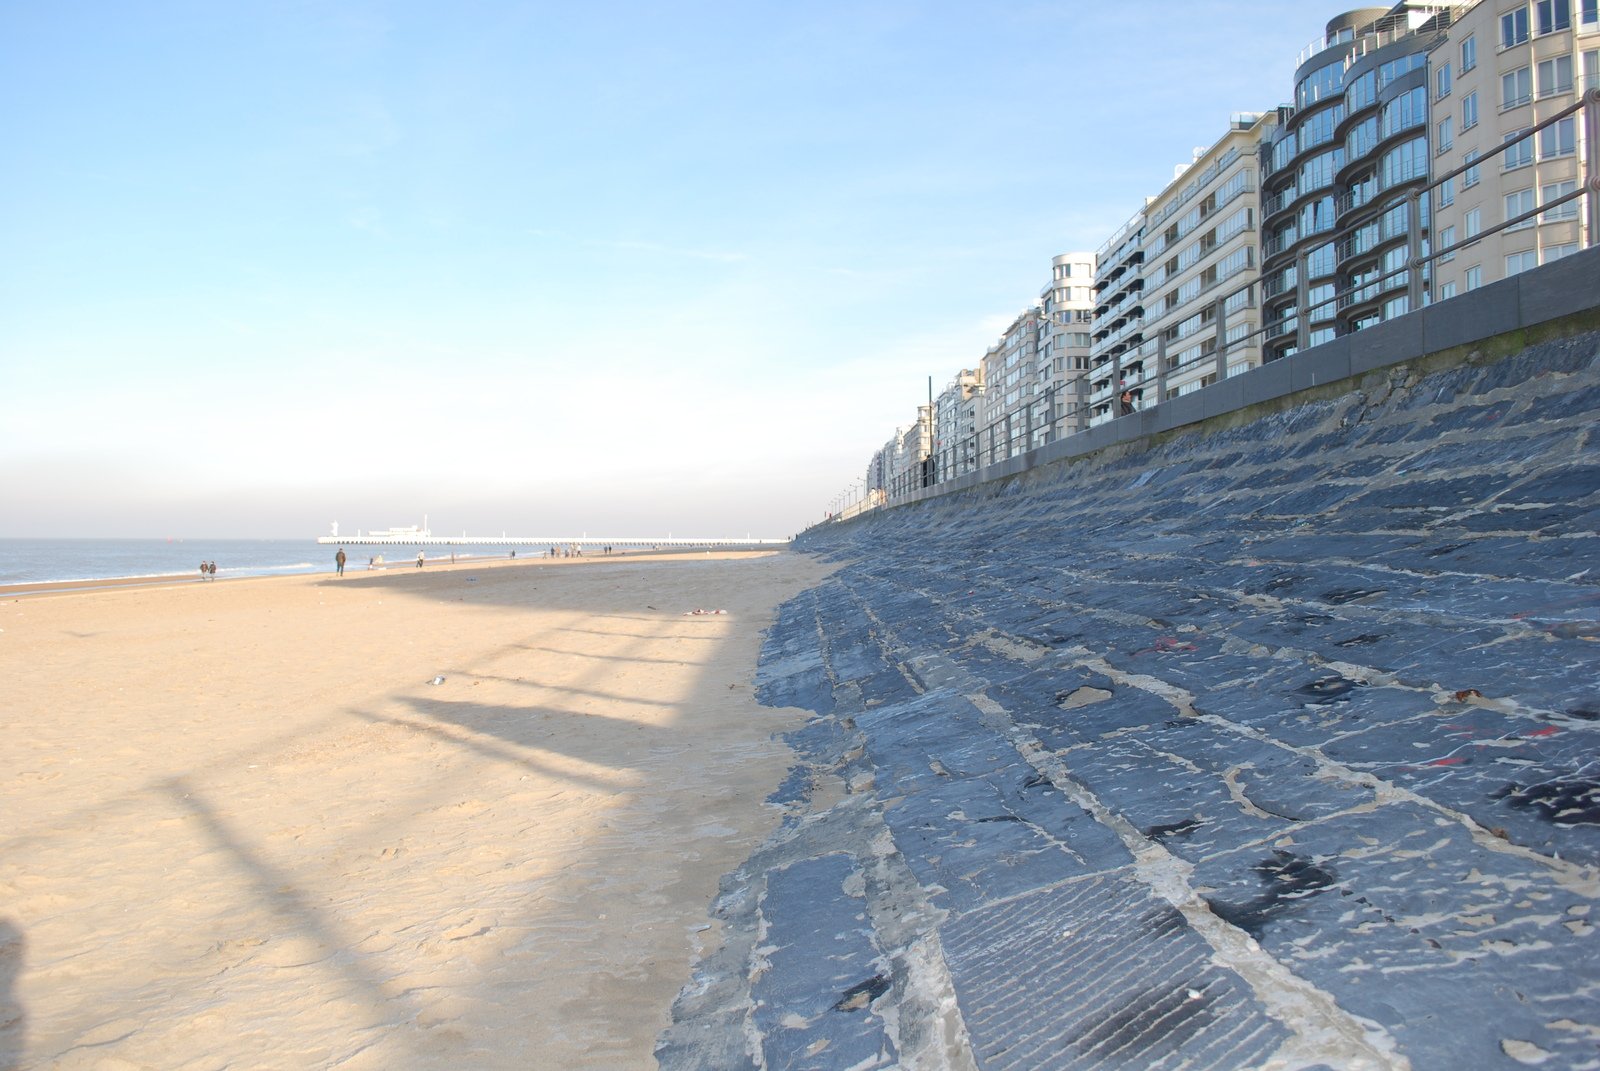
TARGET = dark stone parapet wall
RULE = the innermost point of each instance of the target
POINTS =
(1499, 317)
(1271, 740)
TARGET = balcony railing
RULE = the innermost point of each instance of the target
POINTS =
(1291, 330)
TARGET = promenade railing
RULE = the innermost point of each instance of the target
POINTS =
(994, 444)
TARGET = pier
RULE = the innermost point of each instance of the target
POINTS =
(427, 539)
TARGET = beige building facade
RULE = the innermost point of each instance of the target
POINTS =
(1068, 307)
(1202, 270)
(1009, 418)
(1505, 66)
(1034, 378)
(955, 425)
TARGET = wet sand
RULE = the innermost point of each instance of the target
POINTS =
(244, 829)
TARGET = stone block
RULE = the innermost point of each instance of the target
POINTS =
(1223, 397)
(1271, 380)
(1143, 422)
(1571, 284)
(1485, 312)
(1319, 365)
(1391, 342)
(1180, 411)
(1096, 437)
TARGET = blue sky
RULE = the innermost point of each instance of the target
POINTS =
(547, 268)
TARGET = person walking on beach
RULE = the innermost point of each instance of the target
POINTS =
(338, 560)
(202, 570)
(419, 559)
(211, 568)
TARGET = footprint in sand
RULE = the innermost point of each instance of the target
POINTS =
(466, 930)
(294, 952)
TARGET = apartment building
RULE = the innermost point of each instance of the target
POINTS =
(955, 425)
(1068, 305)
(1117, 330)
(1202, 268)
(878, 469)
(1010, 418)
(1027, 390)
(1505, 66)
(903, 464)
(1339, 173)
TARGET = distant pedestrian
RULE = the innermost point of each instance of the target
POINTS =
(338, 559)
(211, 569)
(419, 559)
(202, 570)
(1125, 403)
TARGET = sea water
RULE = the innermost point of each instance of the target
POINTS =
(38, 561)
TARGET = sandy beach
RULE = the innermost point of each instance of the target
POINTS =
(244, 828)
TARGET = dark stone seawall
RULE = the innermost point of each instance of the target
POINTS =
(1270, 743)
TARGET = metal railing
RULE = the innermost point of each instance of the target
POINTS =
(1407, 278)
(1419, 258)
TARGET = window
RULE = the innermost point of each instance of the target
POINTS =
(1447, 238)
(1396, 221)
(1441, 81)
(1520, 153)
(1560, 139)
(1519, 262)
(1320, 262)
(1469, 177)
(1446, 136)
(1396, 307)
(1319, 170)
(1514, 27)
(1388, 72)
(1591, 67)
(1469, 53)
(1517, 203)
(1556, 252)
(1317, 216)
(1469, 111)
(1554, 192)
(1553, 15)
(1473, 221)
(1318, 130)
(1516, 88)
(1403, 162)
(1328, 80)
(1362, 92)
(1447, 290)
(1362, 139)
(1555, 76)
(1591, 11)
(1447, 193)
(1473, 278)
(1407, 110)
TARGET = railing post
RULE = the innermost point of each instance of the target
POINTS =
(1591, 163)
(1302, 295)
(1414, 249)
(1222, 339)
(1161, 364)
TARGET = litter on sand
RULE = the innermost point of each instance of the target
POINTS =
(437, 680)
(702, 613)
